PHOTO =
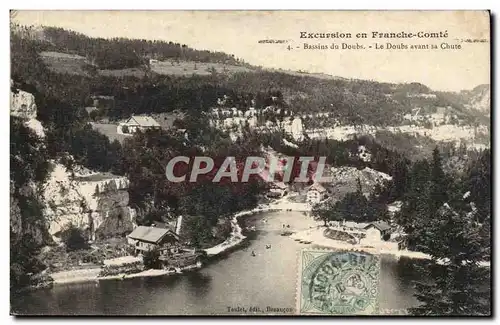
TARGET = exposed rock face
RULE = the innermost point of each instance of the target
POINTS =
(346, 180)
(22, 104)
(96, 203)
(479, 98)
(27, 225)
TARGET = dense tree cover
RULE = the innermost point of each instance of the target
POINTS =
(147, 154)
(355, 206)
(461, 286)
(428, 188)
(88, 147)
(143, 158)
(441, 218)
(345, 153)
(351, 102)
(424, 188)
(445, 216)
(118, 53)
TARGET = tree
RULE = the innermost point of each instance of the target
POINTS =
(74, 239)
(353, 207)
(326, 212)
(415, 212)
(454, 283)
(438, 183)
(376, 207)
(399, 175)
(200, 231)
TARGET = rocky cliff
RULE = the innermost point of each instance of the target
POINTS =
(345, 180)
(26, 220)
(479, 98)
(22, 104)
(94, 202)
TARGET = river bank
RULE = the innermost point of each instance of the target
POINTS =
(92, 274)
(304, 229)
(315, 236)
(266, 276)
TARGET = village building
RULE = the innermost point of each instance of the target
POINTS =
(316, 193)
(137, 123)
(277, 190)
(145, 238)
(377, 231)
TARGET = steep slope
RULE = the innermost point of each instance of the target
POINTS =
(94, 202)
(146, 77)
(22, 105)
(479, 99)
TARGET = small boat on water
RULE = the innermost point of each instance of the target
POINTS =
(286, 233)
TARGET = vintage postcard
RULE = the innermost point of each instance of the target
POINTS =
(250, 163)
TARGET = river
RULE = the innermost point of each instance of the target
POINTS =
(233, 279)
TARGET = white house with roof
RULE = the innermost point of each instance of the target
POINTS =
(316, 193)
(145, 238)
(137, 123)
(375, 231)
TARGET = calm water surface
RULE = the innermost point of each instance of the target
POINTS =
(236, 279)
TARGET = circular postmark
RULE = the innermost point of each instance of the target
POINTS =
(341, 283)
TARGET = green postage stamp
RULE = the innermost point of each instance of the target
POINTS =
(338, 283)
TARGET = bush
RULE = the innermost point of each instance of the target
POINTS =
(74, 239)
(127, 268)
(93, 115)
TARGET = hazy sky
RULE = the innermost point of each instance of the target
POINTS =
(238, 33)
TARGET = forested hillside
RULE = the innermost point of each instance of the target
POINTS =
(116, 53)
(141, 90)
